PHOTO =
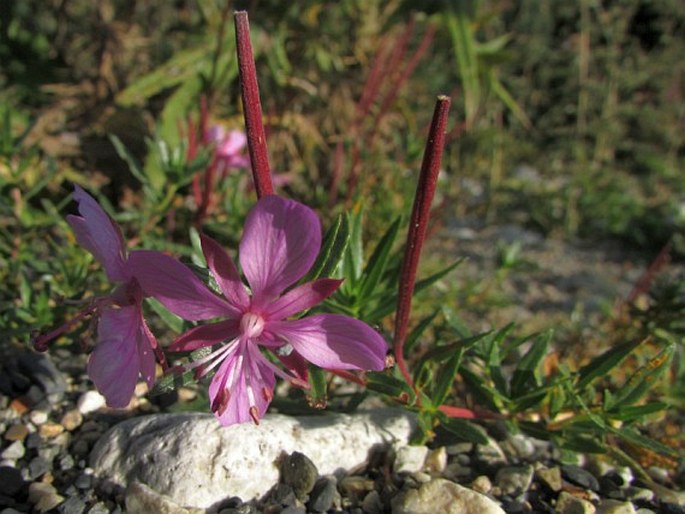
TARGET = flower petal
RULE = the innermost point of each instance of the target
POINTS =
(114, 366)
(98, 234)
(302, 298)
(334, 341)
(225, 273)
(176, 287)
(206, 335)
(281, 241)
(146, 354)
(243, 381)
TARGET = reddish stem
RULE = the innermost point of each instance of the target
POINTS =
(418, 224)
(254, 128)
(40, 343)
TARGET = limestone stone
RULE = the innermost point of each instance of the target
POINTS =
(440, 496)
(193, 460)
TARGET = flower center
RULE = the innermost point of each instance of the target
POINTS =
(251, 325)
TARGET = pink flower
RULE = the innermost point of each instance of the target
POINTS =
(125, 346)
(229, 147)
(281, 241)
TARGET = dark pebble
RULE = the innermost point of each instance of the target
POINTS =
(73, 505)
(609, 488)
(283, 495)
(38, 467)
(671, 508)
(66, 462)
(42, 371)
(294, 510)
(323, 495)
(299, 472)
(33, 440)
(578, 476)
(84, 481)
(11, 481)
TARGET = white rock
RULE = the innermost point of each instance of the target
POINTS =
(196, 462)
(441, 496)
(90, 401)
(410, 459)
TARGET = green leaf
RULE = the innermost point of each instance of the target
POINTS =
(128, 158)
(420, 328)
(332, 249)
(464, 430)
(582, 443)
(389, 385)
(636, 412)
(601, 365)
(526, 374)
(354, 255)
(645, 378)
(631, 435)
(445, 377)
(377, 262)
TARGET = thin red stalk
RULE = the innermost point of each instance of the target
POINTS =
(644, 283)
(40, 343)
(349, 376)
(252, 107)
(418, 224)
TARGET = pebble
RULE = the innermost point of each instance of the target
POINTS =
(73, 505)
(50, 429)
(410, 459)
(299, 472)
(440, 496)
(42, 371)
(323, 495)
(550, 477)
(71, 420)
(11, 481)
(90, 401)
(38, 417)
(482, 484)
(38, 467)
(436, 462)
(16, 432)
(615, 507)
(372, 503)
(570, 504)
(39, 489)
(490, 455)
(14, 451)
(48, 502)
(580, 477)
(514, 480)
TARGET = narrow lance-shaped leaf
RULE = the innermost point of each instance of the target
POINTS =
(644, 379)
(602, 364)
(378, 261)
(317, 393)
(526, 373)
(333, 248)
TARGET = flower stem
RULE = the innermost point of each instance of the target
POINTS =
(252, 107)
(417, 227)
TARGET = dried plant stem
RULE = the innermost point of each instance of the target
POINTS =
(254, 128)
(418, 226)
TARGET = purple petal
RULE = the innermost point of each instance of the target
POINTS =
(243, 381)
(281, 240)
(98, 234)
(114, 366)
(176, 287)
(225, 273)
(146, 354)
(206, 335)
(302, 298)
(334, 341)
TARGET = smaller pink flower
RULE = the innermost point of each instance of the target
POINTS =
(230, 147)
(281, 241)
(125, 346)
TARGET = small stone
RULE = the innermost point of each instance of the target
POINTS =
(50, 430)
(19, 405)
(299, 472)
(323, 495)
(569, 504)
(38, 417)
(72, 420)
(481, 484)
(444, 497)
(14, 451)
(578, 476)
(355, 485)
(615, 507)
(99, 508)
(372, 503)
(11, 481)
(42, 371)
(186, 394)
(490, 455)
(16, 432)
(39, 489)
(514, 480)
(410, 459)
(140, 499)
(73, 505)
(436, 462)
(666, 495)
(294, 509)
(66, 462)
(34, 440)
(38, 467)
(661, 475)
(84, 481)
(522, 445)
(90, 401)
(635, 494)
(550, 477)
(48, 502)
